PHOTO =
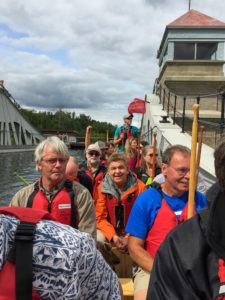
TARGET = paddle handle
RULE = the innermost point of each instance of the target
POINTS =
(154, 155)
(192, 183)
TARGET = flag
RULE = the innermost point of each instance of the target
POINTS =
(137, 106)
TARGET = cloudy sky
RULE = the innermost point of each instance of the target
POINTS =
(92, 57)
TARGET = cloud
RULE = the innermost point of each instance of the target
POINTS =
(91, 57)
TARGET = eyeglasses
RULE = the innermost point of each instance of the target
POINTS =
(91, 153)
(181, 171)
(53, 161)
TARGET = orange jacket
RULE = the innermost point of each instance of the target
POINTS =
(102, 214)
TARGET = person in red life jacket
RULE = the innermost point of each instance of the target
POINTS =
(68, 201)
(73, 173)
(113, 202)
(100, 144)
(144, 172)
(124, 132)
(158, 210)
(93, 167)
(190, 263)
(55, 261)
(131, 152)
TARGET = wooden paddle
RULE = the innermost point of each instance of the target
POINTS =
(154, 155)
(192, 183)
(200, 138)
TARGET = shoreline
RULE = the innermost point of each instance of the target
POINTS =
(12, 149)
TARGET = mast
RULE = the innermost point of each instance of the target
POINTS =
(189, 6)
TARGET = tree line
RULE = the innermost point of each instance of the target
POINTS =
(61, 120)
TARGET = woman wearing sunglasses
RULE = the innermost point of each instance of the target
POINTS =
(145, 171)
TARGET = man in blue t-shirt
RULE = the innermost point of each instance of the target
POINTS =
(156, 211)
(125, 131)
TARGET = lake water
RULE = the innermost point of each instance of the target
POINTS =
(23, 164)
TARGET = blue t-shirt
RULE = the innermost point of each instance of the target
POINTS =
(146, 207)
(117, 133)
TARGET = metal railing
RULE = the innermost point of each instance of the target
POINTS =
(179, 108)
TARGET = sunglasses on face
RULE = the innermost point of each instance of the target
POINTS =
(92, 153)
(151, 154)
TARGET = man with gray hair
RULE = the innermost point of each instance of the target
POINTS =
(158, 210)
(68, 201)
(190, 264)
(93, 167)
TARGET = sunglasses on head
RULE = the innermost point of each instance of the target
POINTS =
(91, 153)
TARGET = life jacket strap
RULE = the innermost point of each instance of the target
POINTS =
(24, 250)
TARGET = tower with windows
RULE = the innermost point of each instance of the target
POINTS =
(191, 55)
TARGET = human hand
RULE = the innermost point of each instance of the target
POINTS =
(121, 243)
(121, 136)
(88, 129)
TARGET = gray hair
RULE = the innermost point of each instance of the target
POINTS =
(169, 152)
(55, 143)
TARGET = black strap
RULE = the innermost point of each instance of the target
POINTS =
(33, 194)
(69, 188)
(157, 186)
(24, 252)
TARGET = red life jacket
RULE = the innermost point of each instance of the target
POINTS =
(221, 275)
(165, 221)
(16, 277)
(62, 206)
(127, 133)
(119, 209)
(96, 180)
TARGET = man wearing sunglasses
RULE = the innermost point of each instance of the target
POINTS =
(68, 201)
(93, 166)
(124, 132)
(158, 210)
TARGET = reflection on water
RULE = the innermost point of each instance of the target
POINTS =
(22, 163)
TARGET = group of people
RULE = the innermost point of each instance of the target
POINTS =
(110, 200)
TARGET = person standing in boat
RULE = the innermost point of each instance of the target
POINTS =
(190, 264)
(144, 172)
(158, 210)
(68, 201)
(124, 132)
(114, 199)
(93, 167)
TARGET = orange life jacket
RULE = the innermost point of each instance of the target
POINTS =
(119, 210)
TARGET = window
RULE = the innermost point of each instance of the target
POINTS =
(195, 51)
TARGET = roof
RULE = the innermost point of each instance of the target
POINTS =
(194, 18)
